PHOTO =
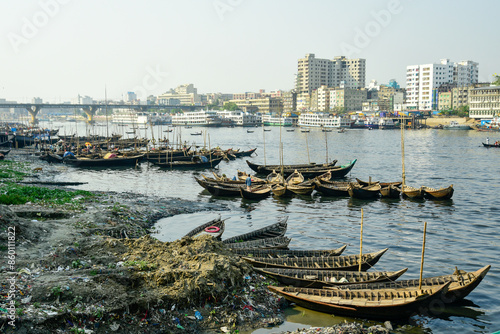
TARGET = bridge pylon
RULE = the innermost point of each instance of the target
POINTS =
(90, 112)
(33, 111)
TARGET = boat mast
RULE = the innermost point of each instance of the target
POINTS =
(422, 260)
(403, 151)
(326, 147)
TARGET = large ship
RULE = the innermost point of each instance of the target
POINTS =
(140, 118)
(274, 120)
(240, 118)
(197, 118)
(324, 120)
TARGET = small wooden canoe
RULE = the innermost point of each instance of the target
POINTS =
(373, 304)
(441, 193)
(346, 263)
(275, 177)
(462, 283)
(256, 193)
(412, 192)
(390, 191)
(294, 178)
(222, 190)
(214, 228)
(287, 253)
(271, 231)
(327, 189)
(299, 189)
(323, 278)
(382, 184)
(364, 192)
(280, 190)
(269, 243)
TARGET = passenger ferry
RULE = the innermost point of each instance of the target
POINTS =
(139, 118)
(324, 120)
(385, 123)
(273, 120)
(240, 118)
(197, 118)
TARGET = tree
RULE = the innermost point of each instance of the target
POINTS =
(496, 82)
(230, 106)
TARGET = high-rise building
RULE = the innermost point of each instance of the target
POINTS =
(313, 73)
(423, 81)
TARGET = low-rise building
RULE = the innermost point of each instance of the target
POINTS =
(263, 105)
(484, 102)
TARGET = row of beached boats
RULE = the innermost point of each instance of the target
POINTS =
(326, 281)
(296, 184)
(165, 158)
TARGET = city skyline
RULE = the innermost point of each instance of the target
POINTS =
(57, 49)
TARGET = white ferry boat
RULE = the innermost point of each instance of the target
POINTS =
(197, 118)
(140, 118)
(324, 120)
(273, 120)
(240, 118)
(385, 123)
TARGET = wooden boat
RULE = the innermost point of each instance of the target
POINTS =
(390, 191)
(294, 178)
(491, 145)
(299, 189)
(330, 189)
(346, 263)
(242, 176)
(382, 184)
(280, 190)
(269, 243)
(441, 193)
(274, 177)
(4, 152)
(257, 192)
(196, 133)
(412, 192)
(323, 278)
(194, 164)
(104, 162)
(372, 304)
(364, 192)
(290, 130)
(249, 131)
(214, 228)
(266, 169)
(168, 153)
(223, 190)
(271, 231)
(286, 253)
(51, 157)
(240, 154)
(7, 143)
(462, 283)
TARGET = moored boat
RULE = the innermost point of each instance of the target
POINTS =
(364, 192)
(214, 228)
(412, 192)
(268, 243)
(323, 278)
(256, 193)
(441, 193)
(378, 304)
(271, 231)
(347, 263)
(104, 162)
(195, 163)
(279, 253)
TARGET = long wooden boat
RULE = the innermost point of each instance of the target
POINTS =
(51, 157)
(299, 189)
(372, 304)
(412, 192)
(491, 145)
(269, 243)
(441, 193)
(4, 152)
(346, 263)
(101, 162)
(327, 189)
(214, 228)
(324, 278)
(390, 191)
(266, 169)
(194, 164)
(271, 231)
(364, 192)
(239, 154)
(7, 143)
(168, 153)
(280, 253)
(462, 283)
(242, 176)
(256, 193)
(280, 190)
(382, 184)
(223, 190)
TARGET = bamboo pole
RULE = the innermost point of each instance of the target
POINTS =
(361, 242)
(264, 136)
(403, 152)
(422, 260)
(307, 145)
(326, 145)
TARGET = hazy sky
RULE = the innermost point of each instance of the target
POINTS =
(57, 49)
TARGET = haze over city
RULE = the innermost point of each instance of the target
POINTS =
(57, 49)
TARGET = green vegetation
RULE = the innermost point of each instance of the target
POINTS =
(11, 193)
(141, 265)
(12, 170)
(230, 106)
(496, 80)
(462, 111)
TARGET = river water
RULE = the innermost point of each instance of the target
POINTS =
(462, 232)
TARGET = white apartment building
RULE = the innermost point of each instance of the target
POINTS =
(484, 102)
(422, 81)
(313, 73)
